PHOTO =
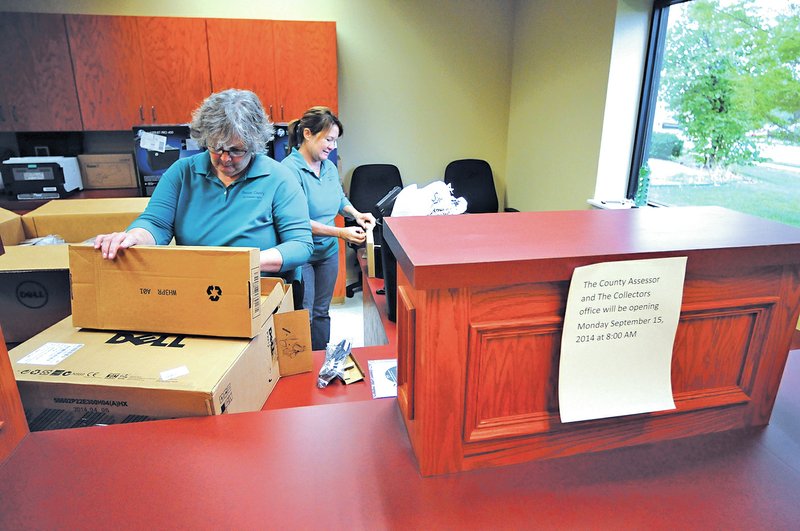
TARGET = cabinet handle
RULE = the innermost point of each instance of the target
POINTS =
(14, 113)
(271, 117)
(282, 113)
(153, 113)
(141, 113)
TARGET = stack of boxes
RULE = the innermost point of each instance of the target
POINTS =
(160, 332)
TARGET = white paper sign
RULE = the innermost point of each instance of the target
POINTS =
(50, 354)
(616, 345)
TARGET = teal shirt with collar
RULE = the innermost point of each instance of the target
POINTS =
(263, 208)
(325, 199)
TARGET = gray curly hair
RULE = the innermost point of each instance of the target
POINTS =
(232, 114)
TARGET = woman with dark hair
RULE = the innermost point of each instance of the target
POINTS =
(311, 140)
(231, 195)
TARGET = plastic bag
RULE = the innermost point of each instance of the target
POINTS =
(333, 367)
(434, 199)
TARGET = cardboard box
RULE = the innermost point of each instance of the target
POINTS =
(77, 220)
(374, 265)
(70, 378)
(108, 171)
(11, 231)
(209, 291)
(288, 330)
(34, 289)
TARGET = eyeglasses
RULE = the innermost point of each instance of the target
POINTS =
(234, 152)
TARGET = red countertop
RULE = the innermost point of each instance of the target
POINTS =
(349, 466)
(516, 247)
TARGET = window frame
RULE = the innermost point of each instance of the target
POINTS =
(649, 93)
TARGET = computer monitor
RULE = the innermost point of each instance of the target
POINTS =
(385, 204)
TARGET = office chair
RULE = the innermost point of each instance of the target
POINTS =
(472, 179)
(369, 184)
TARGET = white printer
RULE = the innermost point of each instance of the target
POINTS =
(41, 177)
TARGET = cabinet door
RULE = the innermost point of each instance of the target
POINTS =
(175, 66)
(250, 66)
(305, 67)
(108, 71)
(37, 88)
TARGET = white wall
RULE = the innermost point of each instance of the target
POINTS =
(562, 54)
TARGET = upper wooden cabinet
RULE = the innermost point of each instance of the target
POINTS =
(37, 88)
(138, 70)
(290, 65)
(305, 67)
(251, 67)
(107, 62)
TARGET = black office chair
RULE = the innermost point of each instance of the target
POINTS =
(472, 179)
(368, 185)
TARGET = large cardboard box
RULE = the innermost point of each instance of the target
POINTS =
(70, 378)
(34, 289)
(210, 291)
(288, 330)
(108, 171)
(11, 231)
(77, 220)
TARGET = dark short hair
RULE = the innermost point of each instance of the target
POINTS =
(230, 114)
(315, 119)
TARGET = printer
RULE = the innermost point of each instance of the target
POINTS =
(41, 177)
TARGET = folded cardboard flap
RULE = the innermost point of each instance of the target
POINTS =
(211, 291)
(11, 229)
(289, 332)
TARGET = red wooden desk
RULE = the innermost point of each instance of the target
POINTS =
(350, 466)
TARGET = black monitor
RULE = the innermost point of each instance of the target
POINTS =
(385, 204)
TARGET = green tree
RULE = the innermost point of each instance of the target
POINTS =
(729, 70)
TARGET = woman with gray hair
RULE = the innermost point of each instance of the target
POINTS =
(231, 195)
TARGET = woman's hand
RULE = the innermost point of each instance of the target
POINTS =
(111, 244)
(365, 219)
(353, 234)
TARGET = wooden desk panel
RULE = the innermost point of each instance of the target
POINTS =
(480, 334)
(277, 469)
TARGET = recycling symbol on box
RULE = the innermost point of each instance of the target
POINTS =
(214, 293)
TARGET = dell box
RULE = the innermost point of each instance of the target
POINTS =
(34, 289)
(209, 291)
(69, 377)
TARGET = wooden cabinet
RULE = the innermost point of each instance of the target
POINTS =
(305, 67)
(250, 67)
(290, 65)
(106, 58)
(37, 88)
(138, 70)
(175, 65)
(479, 327)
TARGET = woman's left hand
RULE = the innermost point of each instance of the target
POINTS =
(366, 220)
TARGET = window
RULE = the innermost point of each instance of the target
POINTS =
(720, 118)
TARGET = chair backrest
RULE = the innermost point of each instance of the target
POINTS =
(370, 182)
(472, 179)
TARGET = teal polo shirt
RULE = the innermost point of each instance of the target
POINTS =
(263, 208)
(325, 199)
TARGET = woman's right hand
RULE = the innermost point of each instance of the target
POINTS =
(353, 234)
(111, 244)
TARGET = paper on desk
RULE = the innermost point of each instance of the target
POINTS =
(383, 375)
(616, 344)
